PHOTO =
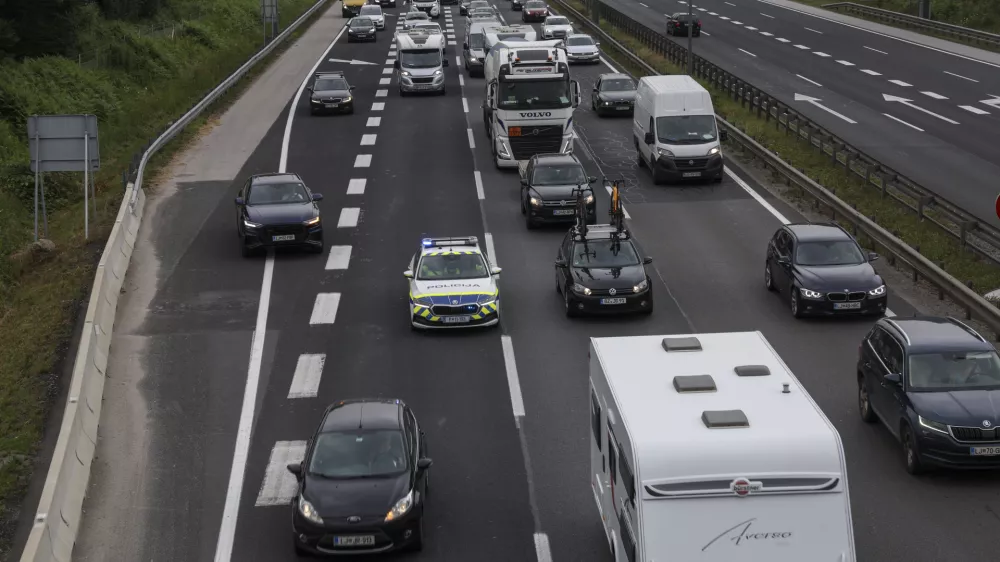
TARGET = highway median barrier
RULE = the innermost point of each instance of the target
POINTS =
(950, 238)
(60, 507)
(974, 37)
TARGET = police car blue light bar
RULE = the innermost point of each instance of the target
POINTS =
(450, 241)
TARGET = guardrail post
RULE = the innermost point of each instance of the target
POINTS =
(964, 228)
(968, 310)
(916, 275)
(851, 157)
(922, 203)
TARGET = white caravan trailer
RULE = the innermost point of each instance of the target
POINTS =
(705, 448)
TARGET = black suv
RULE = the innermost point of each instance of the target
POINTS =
(548, 189)
(935, 383)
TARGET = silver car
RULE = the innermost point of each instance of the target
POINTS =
(582, 48)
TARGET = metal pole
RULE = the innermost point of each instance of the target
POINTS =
(45, 210)
(690, 28)
(38, 168)
(86, 177)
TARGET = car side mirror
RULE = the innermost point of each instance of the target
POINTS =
(591, 179)
(424, 463)
(524, 182)
(723, 135)
(872, 256)
(350, 87)
(465, 46)
(239, 200)
(597, 44)
(444, 62)
(894, 378)
(317, 196)
(310, 88)
(408, 274)
(296, 469)
(496, 270)
(648, 139)
(560, 263)
(395, 64)
(783, 260)
(647, 260)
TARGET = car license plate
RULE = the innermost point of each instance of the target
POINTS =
(283, 238)
(329, 105)
(561, 212)
(456, 319)
(984, 451)
(846, 305)
(618, 300)
(691, 174)
(514, 132)
(354, 540)
(623, 108)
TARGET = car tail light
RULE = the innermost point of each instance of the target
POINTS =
(699, 23)
(677, 24)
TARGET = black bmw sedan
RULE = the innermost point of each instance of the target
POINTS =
(823, 271)
(278, 210)
(613, 94)
(362, 482)
(600, 271)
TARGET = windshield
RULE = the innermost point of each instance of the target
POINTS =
(327, 84)
(686, 129)
(955, 370)
(416, 16)
(556, 21)
(559, 175)
(578, 41)
(684, 17)
(358, 454)
(457, 266)
(477, 41)
(429, 26)
(601, 254)
(480, 13)
(534, 5)
(425, 58)
(617, 85)
(362, 22)
(831, 252)
(277, 193)
(370, 10)
(551, 94)
(479, 4)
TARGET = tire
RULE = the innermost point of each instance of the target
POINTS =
(244, 251)
(768, 279)
(418, 543)
(795, 303)
(318, 249)
(911, 453)
(570, 311)
(864, 401)
(530, 224)
(300, 552)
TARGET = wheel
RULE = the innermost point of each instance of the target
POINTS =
(318, 249)
(718, 178)
(244, 251)
(559, 288)
(527, 220)
(794, 304)
(657, 178)
(864, 401)
(911, 454)
(570, 311)
(300, 552)
(418, 542)
(524, 206)
(768, 281)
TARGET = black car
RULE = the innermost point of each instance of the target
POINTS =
(360, 29)
(534, 10)
(516, 4)
(613, 94)
(548, 184)
(935, 384)
(598, 270)
(823, 270)
(384, 3)
(331, 93)
(682, 24)
(278, 210)
(362, 481)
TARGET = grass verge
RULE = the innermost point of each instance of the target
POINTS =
(41, 292)
(940, 248)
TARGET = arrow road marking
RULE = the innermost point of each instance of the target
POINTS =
(908, 103)
(352, 61)
(995, 102)
(815, 101)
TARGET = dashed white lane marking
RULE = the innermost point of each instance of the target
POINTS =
(357, 186)
(452, 43)
(381, 93)
(712, 14)
(368, 140)
(279, 485)
(387, 70)
(378, 106)
(801, 47)
(390, 62)
(819, 54)
(810, 81)
(813, 30)
(737, 23)
(461, 80)
(479, 185)
(897, 119)
(900, 83)
(723, 18)
(975, 110)
(766, 34)
(374, 122)
(934, 95)
(624, 211)
(730, 3)
(845, 63)
(458, 61)
(700, 10)
(748, 52)
(766, 16)
(706, 33)
(516, 400)
(325, 309)
(876, 50)
(472, 140)
(871, 72)
(363, 161)
(782, 39)
(384, 81)
(339, 258)
(962, 77)
(491, 250)
(643, 5)
(465, 105)
(349, 217)
(542, 549)
(308, 373)
(751, 28)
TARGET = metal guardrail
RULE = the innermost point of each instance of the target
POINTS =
(878, 238)
(60, 508)
(955, 32)
(973, 235)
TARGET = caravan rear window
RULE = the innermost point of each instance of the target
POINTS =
(477, 41)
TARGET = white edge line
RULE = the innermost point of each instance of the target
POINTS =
(624, 211)
(516, 401)
(542, 549)
(898, 120)
(491, 250)
(962, 77)
(810, 81)
(747, 52)
(479, 185)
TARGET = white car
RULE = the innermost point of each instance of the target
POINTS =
(412, 18)
(374, 13)
(556, 27)
(582, 48)
(428, 26)
(452, 285)
(429, 7)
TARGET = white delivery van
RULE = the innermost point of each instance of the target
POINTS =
(674, 129)
(705, 448)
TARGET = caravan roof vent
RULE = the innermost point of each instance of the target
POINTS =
(752, 370)
(723, 419)
(694, 383)
(681, 344)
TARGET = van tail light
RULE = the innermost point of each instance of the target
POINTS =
(699, 23)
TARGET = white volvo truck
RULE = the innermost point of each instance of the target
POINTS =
(529, 101)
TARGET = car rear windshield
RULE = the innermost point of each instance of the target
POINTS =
(455, 266)
(830, 252)
(416, 16)
(327, 84)
(479, 4)
(955, 370)
(358, 454)
(371, 10)
(534, 5)
(684, 17)
(557, 21)
(566, 174)
(278, 193)
(604, 254)
(577, 41)
(362, 22)
(617, 85)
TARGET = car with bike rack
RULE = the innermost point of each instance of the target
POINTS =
(549, 183)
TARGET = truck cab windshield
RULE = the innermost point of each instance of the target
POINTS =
(687, 129)
(552, 94)
(477, 41)
(426, 58)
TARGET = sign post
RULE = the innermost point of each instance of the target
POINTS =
(269, 17)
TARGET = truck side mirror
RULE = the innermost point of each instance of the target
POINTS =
(444, 62)
(648, 139)
(575, 88)
(465, 46)
(239, 200)
(395, 64)
(524, 182)
(723, 135)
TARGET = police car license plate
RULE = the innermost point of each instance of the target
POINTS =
(455, 319)
(984, 451)
(691, 174)
(846, 305)
(562, 212)
(618, 300)
(354, 540)
(283, 238)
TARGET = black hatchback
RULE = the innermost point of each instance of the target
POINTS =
(361, 29)
(682, 24)
(278, 210)
(362, 481)
(599, 271)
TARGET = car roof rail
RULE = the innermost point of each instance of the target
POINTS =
(966, 327)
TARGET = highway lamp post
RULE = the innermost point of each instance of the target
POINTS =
(690, 28)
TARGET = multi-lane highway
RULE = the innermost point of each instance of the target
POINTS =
(930, 114)
(221, 366)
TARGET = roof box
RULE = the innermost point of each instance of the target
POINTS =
(724, 419)
(694, 383)
(752, 370)
(681, 344)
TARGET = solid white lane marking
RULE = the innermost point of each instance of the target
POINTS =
(472, 140)
(356, 186)
(374, 122)
(782, 39)
(362, 160)
(624, 211)
(908, 103)
(975, 110)
(349, 217)
(308, 372)
(378, 106)
(766, 16)
(465, 105)
(934, 95)
(962, 77)
(339, 257)
(819, 54)
(479, 185)
(813, 30)
(766, 34)
(384, 81)
(897, 119)
(461, 80)
(876, 50)
(325, 309)
(871, 72)
(747, 52)
(845, 63)
(279, 485)
(706, 33)
(491, 250)
(802, 47)
(542, 549)
(387, 70)
(368, 140)
(516, 400)
(810, 81)
(900, 83)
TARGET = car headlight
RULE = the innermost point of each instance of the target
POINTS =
(348, 99)
(877, 291)
(400, 508)
(314, 100)
(810, 294)
(535, 202)
(405, 73)
(309, 512)
(714, 150)
(641, 286)
(607, 103)
(249, 224)
(422, 301)
(473, 59)
(578, 288)
(589, 199)
(933, 425)
(486, 299)
(438, 72)
(311, 222)
(664, 152)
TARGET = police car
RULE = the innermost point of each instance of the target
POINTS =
(452, 285)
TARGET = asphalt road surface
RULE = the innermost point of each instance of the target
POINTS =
(227, 363)
(932, 115)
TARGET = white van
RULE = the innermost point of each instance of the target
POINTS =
(706, 448)
(674, 129)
